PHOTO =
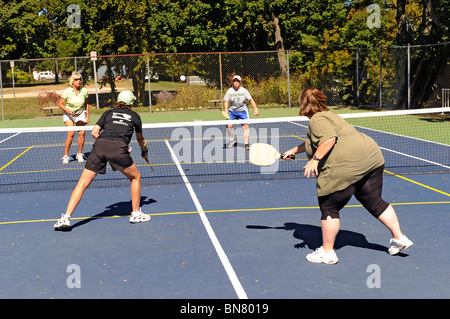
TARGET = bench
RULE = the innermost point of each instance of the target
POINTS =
(215, 102)
(51, 108)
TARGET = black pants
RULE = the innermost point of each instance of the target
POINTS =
(367, 191)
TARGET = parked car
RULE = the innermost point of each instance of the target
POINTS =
(44, 75)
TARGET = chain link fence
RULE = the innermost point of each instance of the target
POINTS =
(391, 78)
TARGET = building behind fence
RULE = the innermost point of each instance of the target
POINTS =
(388, 77)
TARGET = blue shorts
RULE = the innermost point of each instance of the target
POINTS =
(238, 115)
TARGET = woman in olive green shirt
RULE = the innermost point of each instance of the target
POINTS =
(346, 163)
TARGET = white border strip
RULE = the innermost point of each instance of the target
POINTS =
(220, 252)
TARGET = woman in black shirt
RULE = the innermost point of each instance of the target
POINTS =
(113, 133)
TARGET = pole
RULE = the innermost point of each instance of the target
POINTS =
(96, 87)
(381, 77)
(408, 76)
(221, 84)
(288, 78)
(149, 87)
(1, 89)
(357, 76)
(12, 76)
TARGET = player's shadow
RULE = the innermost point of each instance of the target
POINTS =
(311, 237)
(116, 209)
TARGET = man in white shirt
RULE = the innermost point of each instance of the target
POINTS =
(235, 104)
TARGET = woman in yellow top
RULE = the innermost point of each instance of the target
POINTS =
(346, 163)
(76, 112)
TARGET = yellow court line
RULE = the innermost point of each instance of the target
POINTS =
(17, 157)
(417, 183)
(300, 138)
(215, 211)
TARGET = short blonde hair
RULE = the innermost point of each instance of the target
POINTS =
(74, 75)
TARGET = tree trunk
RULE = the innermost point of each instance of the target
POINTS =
(279, 45)
(401, 21)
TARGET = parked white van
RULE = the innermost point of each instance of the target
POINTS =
(44, 75)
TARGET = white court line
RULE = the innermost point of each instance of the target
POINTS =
(220, 252)
(415, 157)
(411, 138)
(396, 152)
(9, 137)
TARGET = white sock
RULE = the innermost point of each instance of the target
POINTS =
(230, 132)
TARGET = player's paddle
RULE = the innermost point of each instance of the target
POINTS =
(149, 164)
(77, 112)
(226, 115)
(129, 151)
(263, 154)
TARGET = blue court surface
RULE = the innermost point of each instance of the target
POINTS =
(250, 241)
(224, 240)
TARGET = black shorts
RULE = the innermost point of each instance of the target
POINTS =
(113, 151)
(367, 191)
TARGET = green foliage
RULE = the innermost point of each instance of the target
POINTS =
(20, 76)
(324, 33)
(188, 97)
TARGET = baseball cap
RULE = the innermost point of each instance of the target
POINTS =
(127, 97)
(237, 77)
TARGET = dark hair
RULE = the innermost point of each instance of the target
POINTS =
(121, 105)
(312, 101)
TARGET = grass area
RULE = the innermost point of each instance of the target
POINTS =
(22, 103)
(431, 128)
(24, 111)
(147, 117)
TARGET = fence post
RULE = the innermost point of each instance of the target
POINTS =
(1, 89)
(221, 83)
(381, 77)
(357, 76)
(288, 78)
(94, 58)
(408, 79)
(11, 63)
(149, 87)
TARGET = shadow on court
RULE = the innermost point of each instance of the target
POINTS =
(117, 209)
(311, 237)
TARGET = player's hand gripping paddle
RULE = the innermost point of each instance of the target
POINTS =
(262, 154)
(226, 115)
(146, 159)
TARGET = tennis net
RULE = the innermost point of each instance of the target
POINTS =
(412, 142)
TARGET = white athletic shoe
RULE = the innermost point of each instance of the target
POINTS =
(65, 159)
(80, 157)
(320, 256)
(63, 223)
(139, 217)
(398, 245)
(231, 143)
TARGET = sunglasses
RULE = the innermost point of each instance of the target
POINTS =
(77, 79)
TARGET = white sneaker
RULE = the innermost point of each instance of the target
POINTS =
(65, 159)
(398, 245)
(320, 256)
(63, 223)
(139, 217)
(80, 157)
(232, 142)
